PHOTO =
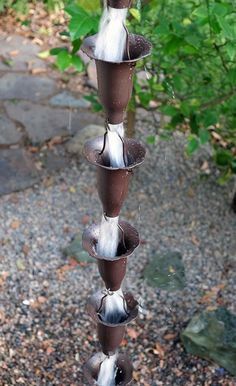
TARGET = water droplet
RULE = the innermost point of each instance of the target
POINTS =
(148, 75)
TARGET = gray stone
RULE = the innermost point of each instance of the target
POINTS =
(66, 99)
(8, 133)
(92, 74)
(76, 144)
(33, 88)
(43, 123)
(75, 250)
(212, 335)
(17, 171)
(53, 161)
(166, 271)
(20, 54)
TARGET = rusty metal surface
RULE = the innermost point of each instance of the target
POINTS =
(124, 373)
(115, 80)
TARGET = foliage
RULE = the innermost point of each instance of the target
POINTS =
(21, 6)
(191, 73)
(82, 22)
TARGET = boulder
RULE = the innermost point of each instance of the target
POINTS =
(76, 144)
(212, 335)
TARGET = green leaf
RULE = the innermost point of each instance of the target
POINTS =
(173, 45)
(96, 106)
(75, 10)
(233, 165)
(169, 110)
(209, 118)
(162, 29)
(89, 5)
(225, 177)
(231, 50)
(76, 45)
(77, 63)
(151, 139)
(223, 158)
(80, 26)
(201, 12)
(232, 75)
(63, 60)
(135, 13)
(57, 50)
(193, 145)
(219, 9)
(43, 54)
(227, 29)
(204, 136)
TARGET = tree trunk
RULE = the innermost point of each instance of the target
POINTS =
(131, 117)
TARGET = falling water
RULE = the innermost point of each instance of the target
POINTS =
(114, 145)
(111, 39)
(114, 310)
(108, 370)
(108, 238)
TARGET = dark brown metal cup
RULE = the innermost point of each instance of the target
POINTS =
(113, 183)
(124, 372)
(112, 270)
(110, 335)
(115, 80)
(119, 3)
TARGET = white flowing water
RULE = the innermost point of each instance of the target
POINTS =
(108, 238)
(111, 40)
(113, 310)
(107, 373)
(114, 145)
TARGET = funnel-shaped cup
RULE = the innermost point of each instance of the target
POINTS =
(112, 270)
(115, 79)
(119, 4)
(124, 369)
(113, 183)
(110, 335)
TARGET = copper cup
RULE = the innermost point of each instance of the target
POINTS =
(110, 335)
(115, 80)
(112, 270)
(113, 183)
(124, 369)
(119, 3)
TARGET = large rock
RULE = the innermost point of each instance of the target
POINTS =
(8, 132)
(76, 144)
(212, 335)
(166, 271)
(17, 171)
(92, 74)
(19, 54)
(66, 99)
(28, 87)
(43, 122)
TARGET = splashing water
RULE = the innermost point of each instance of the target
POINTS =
(114, 309)
(111, 39)
(108, 370)
(114, 145)
(108, 239)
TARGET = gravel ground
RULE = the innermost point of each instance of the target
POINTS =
(45, 334)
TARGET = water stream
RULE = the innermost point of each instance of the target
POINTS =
(114, 309)
(114, 145)
(108, 370)
(108, 238)
(112, 37)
